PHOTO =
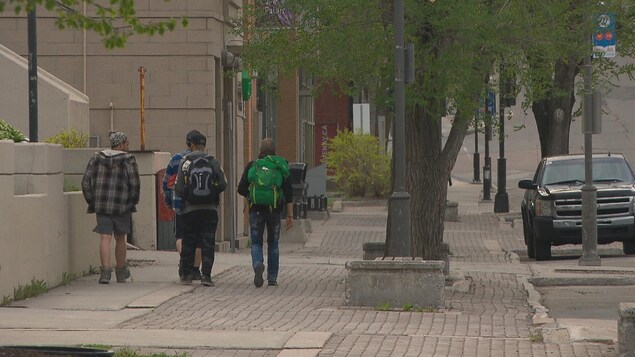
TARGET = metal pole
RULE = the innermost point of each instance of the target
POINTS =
(230, 173)
(399, 202)
(477, 157)
(501, 199)
(487, 169)
(33, 102)
(142, 72)
(590, 255)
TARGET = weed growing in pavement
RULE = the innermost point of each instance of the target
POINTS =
(383, 307)
(536, 337)
(35, 288)
(407, 307)
(6, 300)
(67, 278)
(91, 270)
(129, 352)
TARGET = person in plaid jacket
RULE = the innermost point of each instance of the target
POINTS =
(111, 187)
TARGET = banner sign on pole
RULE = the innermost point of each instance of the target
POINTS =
(604, 36)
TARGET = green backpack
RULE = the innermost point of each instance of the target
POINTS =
(265, 178)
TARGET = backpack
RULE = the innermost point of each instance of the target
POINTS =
(197, 180)
(265, 178)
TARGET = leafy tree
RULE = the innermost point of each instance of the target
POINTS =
(114, 20)
(459, 46)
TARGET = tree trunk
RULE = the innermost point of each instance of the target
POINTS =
(553, 114)
(428, 167)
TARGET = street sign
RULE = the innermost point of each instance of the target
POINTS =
(604, 36)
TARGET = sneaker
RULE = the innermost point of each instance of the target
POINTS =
(196, 274)
(122, 274)
(186, 279)
(272, 283)
(207, 280)
(104, 275)
(258, 270)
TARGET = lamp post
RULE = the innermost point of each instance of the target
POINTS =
(399, 202)
(477, 157)
(487, 169)
(501, 199)
(33, 103)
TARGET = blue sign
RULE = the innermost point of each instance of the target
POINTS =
(604, 36)
(491, 103)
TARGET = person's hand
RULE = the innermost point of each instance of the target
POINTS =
(289, 222)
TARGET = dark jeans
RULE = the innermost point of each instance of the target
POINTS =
(199, 226)
(257, 222)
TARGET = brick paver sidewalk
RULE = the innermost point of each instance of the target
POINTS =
(490, 318)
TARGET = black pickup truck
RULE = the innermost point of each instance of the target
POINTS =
(552, 204)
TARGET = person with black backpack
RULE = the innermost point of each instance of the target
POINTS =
(266, 184)
(199, 183)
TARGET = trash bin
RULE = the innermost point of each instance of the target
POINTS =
(297, 172)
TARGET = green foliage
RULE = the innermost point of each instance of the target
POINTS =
(67, 278)
(359, 164)
(114, 23)
(129, 352)
(407, 307)
(35, 288)
(70, 187)
(383, 307)
(536, 337)
(69, 139)
(6, 300)
(8, 132)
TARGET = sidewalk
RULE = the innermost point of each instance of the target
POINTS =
(492, 311)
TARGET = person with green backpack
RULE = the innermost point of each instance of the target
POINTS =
(266, 184)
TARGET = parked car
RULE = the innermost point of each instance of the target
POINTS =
(552, 203)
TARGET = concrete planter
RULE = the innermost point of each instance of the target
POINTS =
(452, 211)
(395, 281)
(626, 329)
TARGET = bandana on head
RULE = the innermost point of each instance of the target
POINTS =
(117, 138)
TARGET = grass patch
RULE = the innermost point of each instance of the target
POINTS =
(129, 352)
(35, 288)
(67, 278)
(383, 307)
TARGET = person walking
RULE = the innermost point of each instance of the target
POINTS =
(111, 187)
(266, 184)
(173, 201)
(199, 182)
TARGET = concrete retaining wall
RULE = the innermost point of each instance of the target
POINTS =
(396, 282)
(46, 232)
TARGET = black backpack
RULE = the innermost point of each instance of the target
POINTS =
(197, 181)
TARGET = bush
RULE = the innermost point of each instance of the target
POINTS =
(360, 167)
(7, 132)
(69, 139)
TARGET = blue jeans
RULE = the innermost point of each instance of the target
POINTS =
(258, 220)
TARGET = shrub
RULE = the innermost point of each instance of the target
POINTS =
(7, 132)
(69, 139)
(359, 165)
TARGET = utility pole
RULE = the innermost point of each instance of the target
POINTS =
(399, 202)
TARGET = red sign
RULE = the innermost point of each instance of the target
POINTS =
(323, 132)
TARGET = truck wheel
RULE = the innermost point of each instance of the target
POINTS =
(542, 249)
(628, 247)
(529, 239)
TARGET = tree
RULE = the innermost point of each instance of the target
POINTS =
(115, 23)
(550, 77)
(459, 46)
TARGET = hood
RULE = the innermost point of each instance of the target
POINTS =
(112, 158)
(603, 190)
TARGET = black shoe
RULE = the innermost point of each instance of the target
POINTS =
(258, 270)
(207, 280)
(186, 279)
(196, 274)
(272, 283)
(180, 271)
